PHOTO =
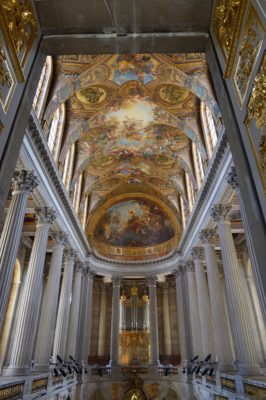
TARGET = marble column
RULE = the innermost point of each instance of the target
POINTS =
(242, 333)
(72, 336)
(166, 321)
(114, 346)
(62, 321)
(24, 337)
(23, 183)
(49, 308)
(194, 310)
(205, 316)
(102, 321)
(182, 316)
(85, 316)
(154, 339)
(232, 180)
(224, 349)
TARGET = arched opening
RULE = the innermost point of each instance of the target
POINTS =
(170, 395)
(10, 312)
(134, 394)
(97, 395)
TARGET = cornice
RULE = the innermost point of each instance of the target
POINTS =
(39, 142)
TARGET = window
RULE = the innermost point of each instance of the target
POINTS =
(56, 132)
(198, 164)
(68, 166)
(183, 215)
(77, 193)
(85, 212)
(209, 130)
(43, 87)
(190, 192)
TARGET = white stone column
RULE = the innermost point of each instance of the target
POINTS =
(166, 322)
(154, 339)
(242, 333)
(72, 336)
(85, 316)
(114, 346)
(24, 338)
(64, 305)
(194, 310)
(102, 321)
(49, 308)
(233, 182)
(23, 184)
(205, 315)
(182, 317)
(225, 352)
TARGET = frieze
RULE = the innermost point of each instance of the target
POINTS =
(39, 384)
(254, 390)
(11, 392)
(228, 384)
(249, 50)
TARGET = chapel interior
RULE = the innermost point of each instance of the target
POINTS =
(132, 199)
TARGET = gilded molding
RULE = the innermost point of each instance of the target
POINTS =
(247, 55)
(19, 28)
(5, 80)
(226, 25)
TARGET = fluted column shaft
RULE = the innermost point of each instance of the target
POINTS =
(85, 316)
(72, 336)
(22, 350)
(23, 183)
(114, 348)
(102, 321)
(194, 310)
(204, 303)
(225, 352)
(154, 339)
(166, 322)
(182, 315)
(64, 305)
(242, 334)
(50, 300)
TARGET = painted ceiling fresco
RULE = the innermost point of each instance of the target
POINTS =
(134, 119)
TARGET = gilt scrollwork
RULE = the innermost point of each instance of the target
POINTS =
(247, 57)
(256, 106)
(19, 28)
(5, 79)
(226, 25)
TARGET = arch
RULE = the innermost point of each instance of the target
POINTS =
(43, 87)
(56, 131)
(4, 337)
(89, 78)
(170, 392)
(208, 128)
(161, 116)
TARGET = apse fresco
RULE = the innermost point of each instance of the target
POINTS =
(134, 223)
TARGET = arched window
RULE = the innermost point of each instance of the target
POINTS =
(68, 166)
(77, 193)
(85, 212)
(183, 214)
(56, 131)
(190, 192)
(43, 87)
(198, 165)
(209, 130)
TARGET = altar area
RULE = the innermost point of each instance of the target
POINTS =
(134, 347)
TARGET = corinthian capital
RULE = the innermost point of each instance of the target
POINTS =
(59, 237)
(78, 267)
(45, 215)
(232, 179)
(220, 212)
(24, 181)
(178, 272)
(116, 280)
(206, 236)
(189, 266)
(70, 254)
(151, 280)
(197, 253)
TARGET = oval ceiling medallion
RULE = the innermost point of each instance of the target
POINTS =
(135, 227)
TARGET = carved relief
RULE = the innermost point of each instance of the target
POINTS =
(256, 111)
(7, 82)
(226, 25)
(19, 27)
(248, 52)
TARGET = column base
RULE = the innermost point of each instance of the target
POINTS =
(39, 368)
(247, 369)
(224, 368)
(14, 370)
